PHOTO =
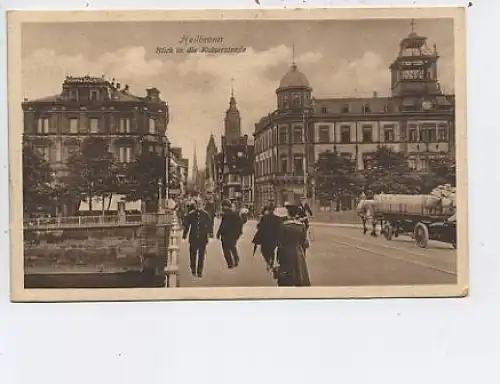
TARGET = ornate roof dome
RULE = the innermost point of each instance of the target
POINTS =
(294, 78)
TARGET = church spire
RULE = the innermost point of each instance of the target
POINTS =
(194, 175)
(232, 121)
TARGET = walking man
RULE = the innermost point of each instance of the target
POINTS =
(199, 227)
(229, 232)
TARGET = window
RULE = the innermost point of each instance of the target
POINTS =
(283, 135)
(345, 134)
(424, 135)
(298, 164)
(324, 134)
(124, 125)
(94, 125)
(42, 126)
(412, 135)
(73, 125)
(94, 95)
(389, 133)
(345, 108)
(432, 135)
(125, 154)
(284, 164)
(367, 162)
(442, 136)
(44, 152)
(297, 99)
(367, 134)
(286, 102)
(297, 135)
(58, 151)
(152, 126)
(73, 95)
(366, 108)
(412, 163)
(324, 110)
(424, 163)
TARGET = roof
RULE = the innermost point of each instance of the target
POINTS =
(294, 78)
(356, 105)
(122, 95)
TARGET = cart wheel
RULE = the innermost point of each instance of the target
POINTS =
(387, 230)
(421, 235)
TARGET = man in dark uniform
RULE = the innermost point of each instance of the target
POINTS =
(229, 232)
(199, 227)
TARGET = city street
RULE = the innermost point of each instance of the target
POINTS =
(338, 256)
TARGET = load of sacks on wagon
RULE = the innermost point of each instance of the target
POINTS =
(441, 201)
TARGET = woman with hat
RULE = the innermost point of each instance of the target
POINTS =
(292, 268)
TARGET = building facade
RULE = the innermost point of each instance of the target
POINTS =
(95, 107)
(178, 173)
(235, 161)
(417, 118)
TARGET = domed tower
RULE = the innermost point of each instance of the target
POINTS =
(294, 91)
(232, 122)
(414, 72)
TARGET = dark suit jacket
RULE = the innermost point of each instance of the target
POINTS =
(304, 210)
(231, 226)
(199, 226)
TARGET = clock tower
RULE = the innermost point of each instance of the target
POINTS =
(414, 72)
(232, 122)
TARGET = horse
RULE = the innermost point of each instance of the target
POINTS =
(365, 211)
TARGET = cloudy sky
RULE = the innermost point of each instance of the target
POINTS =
(340, 58)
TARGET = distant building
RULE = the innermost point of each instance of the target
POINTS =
(418, 119)
(94, 107)
(211, 168)
(235, 162)
(178, 173)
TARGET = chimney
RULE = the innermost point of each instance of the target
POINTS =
(153, 93)
(118, 85)
(126, 87)
(375, 94)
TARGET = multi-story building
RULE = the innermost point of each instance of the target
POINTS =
(417, 118)
(178, 173)
(95, 107)
(235, 181)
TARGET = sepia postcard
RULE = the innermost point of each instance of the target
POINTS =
(238, 154)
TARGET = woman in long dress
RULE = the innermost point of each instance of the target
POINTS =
(292, 268)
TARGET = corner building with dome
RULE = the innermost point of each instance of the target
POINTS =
(418, 118)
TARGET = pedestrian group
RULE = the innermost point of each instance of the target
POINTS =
(282, 235)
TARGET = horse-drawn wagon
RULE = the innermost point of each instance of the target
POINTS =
(424, 217)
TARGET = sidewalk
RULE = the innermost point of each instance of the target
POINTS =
(250, 273)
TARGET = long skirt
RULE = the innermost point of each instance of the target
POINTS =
(293, 271)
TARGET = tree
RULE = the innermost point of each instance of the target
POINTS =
(145, 176)
(441, 171)
(335, 176)
(92, 172)
(388, 172)
(37, 180)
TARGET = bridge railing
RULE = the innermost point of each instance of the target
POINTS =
(89, 221)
